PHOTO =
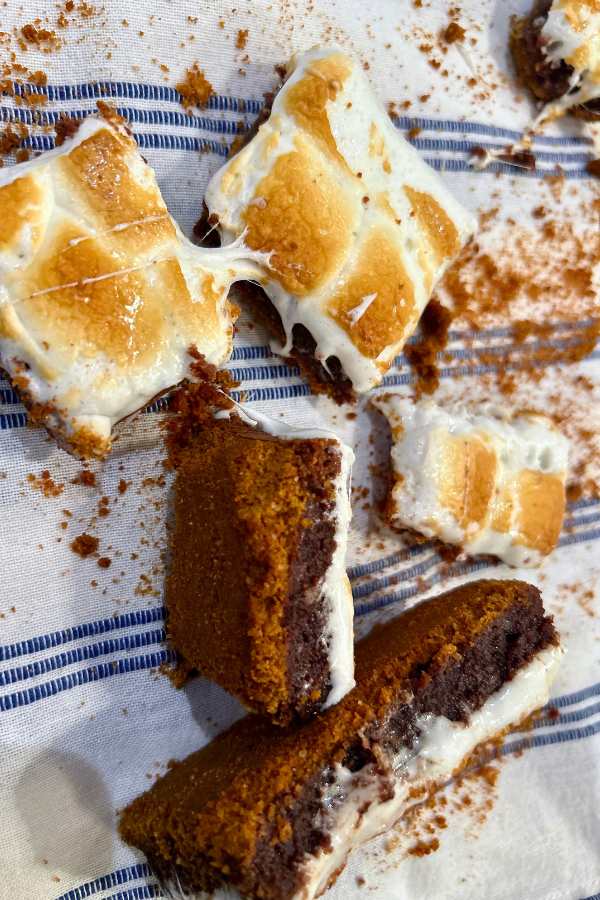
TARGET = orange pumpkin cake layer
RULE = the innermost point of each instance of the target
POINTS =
(258, 597)
(273, 813)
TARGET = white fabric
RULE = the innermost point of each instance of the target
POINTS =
(70, 755)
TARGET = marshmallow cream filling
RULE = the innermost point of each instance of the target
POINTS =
(336, 586)
(352, 809)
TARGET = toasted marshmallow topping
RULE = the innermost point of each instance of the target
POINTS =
(485, 479)
(359, 228)
(572, 31)
(101, 296)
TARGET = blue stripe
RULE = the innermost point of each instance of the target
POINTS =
(509, 332)
(583, 504)
(507, 349)
(124, 666)
(103, 90)
(549, 738)
(460, 165)
(501, 350)
(159, 405)
(76, 632)
(263, 352)
(576, 697)
(179, 142)
(144, 617)
(81, 654)
(263, 373)
(219, 125)
(568, 539)
(19, 420)
(138, 893)
(149, 141)
(12, 420)
(136, 91)
(365, 590)
(582, 520)
(378, 564)
(195, 145)
(407, 593)
(122, 876)
(8, 396)
(452, 571)
(467, 146)
(473, 371)
(576, 715)
(426, 124)
(145, 141)
(253, 395)
(132, 115)
(85, 676)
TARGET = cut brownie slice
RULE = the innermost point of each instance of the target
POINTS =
(486, 479)
(274, 813)
(104, 304)
(258, 598)
(358, 228)
(557, 55)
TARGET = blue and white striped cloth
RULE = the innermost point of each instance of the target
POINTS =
(86, 718)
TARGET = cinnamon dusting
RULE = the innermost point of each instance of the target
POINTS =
(196, 90)
(45, 484)
(85, 544)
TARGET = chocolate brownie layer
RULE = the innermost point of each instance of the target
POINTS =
(325, 378)
(258, 806)
(304, 614)
(255, 533)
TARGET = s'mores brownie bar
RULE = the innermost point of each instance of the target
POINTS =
(104, 304)
(258, 598)
(556, 49)
(274, 813)
(485, 479)
(359, 229)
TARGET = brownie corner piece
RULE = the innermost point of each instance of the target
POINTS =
(258, 597)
